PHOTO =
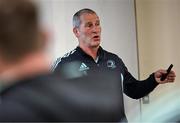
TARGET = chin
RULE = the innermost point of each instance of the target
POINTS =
(95, 46)
(97, 43)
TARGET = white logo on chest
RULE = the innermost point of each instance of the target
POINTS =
(111, 64)
(83, 67)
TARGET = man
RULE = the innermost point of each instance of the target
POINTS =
(28, 91)
(90, 57)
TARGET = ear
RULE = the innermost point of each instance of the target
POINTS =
(76, 31)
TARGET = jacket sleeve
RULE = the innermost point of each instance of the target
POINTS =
(137, 89)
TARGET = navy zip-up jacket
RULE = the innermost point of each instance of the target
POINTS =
(77, 63)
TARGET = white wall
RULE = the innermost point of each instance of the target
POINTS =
(118, 31)
(158, 25)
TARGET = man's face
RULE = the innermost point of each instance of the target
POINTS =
(89, 31)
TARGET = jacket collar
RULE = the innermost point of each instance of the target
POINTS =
(100, 52)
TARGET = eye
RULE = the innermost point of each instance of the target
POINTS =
(89, 24)
(97, 23)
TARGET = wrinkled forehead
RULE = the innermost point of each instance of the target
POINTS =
(89, 17)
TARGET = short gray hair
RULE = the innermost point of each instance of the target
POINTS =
(76, 17)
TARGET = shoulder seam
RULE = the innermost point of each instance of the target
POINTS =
(58, 60)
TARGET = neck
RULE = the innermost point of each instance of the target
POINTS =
(28, 66)
(92, 51)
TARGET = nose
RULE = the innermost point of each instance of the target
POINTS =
(96, 29)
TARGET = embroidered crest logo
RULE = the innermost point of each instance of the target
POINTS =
(111, 64)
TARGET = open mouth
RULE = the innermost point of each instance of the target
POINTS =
(96, 37)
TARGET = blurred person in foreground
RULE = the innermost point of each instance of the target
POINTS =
(89, 57)
(28, 91)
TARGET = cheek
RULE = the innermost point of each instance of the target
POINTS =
(85, 33)
(99, 30)
(88, 33)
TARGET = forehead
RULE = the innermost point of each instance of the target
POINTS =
(86, 17)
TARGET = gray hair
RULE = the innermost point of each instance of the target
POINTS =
(76, 17)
